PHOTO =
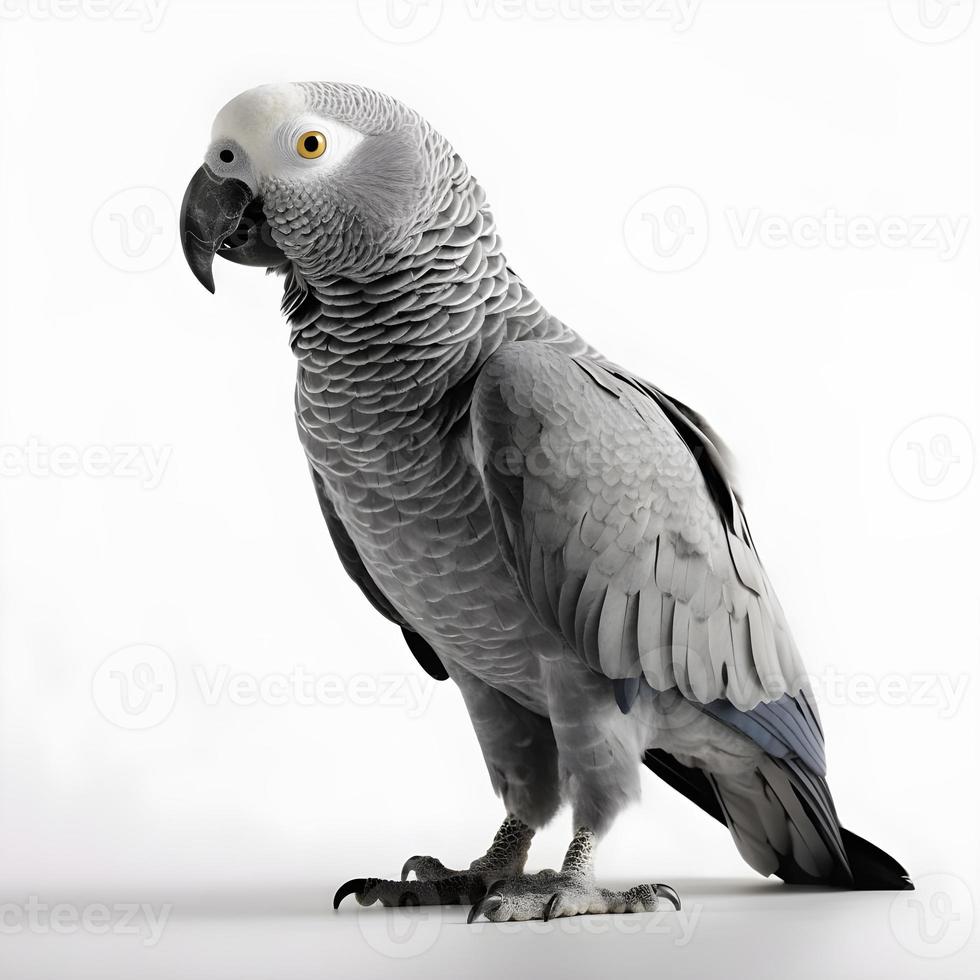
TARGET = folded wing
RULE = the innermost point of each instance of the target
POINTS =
(616, 512)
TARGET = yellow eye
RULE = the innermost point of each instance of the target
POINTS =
(311, 145)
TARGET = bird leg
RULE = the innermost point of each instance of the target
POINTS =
(571, 891)
(435, 884)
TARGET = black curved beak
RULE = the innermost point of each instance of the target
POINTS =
(221, 215)
(211, 210)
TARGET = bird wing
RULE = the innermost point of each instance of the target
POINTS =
(616, 512)
(350, 558)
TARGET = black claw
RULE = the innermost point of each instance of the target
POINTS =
(489, 903)
(665, 891)
(353, 887)
(550, 907)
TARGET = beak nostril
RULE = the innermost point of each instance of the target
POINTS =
(226, 156)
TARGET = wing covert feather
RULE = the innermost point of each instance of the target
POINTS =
(626, 534)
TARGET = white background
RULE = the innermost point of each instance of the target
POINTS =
(240, 819)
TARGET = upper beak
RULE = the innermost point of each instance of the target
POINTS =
(211, 210)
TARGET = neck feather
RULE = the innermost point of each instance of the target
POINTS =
(386, 360)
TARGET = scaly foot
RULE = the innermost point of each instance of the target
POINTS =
(549, 894)
(571, 891)
(435, 884)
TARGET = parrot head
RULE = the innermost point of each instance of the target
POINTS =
(334, 178)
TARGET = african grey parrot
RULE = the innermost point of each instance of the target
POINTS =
(555, 534)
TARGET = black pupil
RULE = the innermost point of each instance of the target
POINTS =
(311, 144)
(226, 156)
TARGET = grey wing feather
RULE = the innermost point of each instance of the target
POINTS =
(783, 727)
(615, 507)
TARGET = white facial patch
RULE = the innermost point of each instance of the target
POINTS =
(268, 123)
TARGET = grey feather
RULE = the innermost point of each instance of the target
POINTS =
(781, 728)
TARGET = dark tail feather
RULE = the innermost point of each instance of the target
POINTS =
(867, 867)
(692, 783)
(872, 868)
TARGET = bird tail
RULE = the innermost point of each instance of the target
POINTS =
(871, 868)
(782, 819)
